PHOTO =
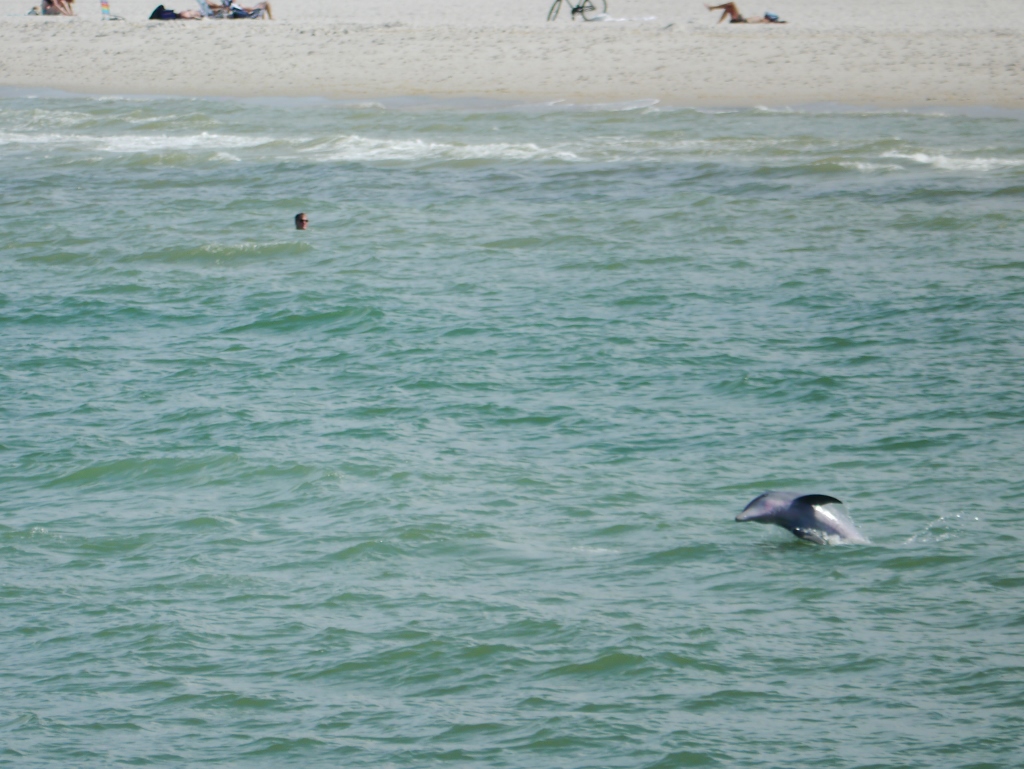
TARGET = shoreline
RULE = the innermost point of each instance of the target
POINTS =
(484, 104)
(680, 58)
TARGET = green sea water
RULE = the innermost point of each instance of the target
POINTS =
(449, 479)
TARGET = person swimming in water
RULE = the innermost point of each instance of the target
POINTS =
(730, 11)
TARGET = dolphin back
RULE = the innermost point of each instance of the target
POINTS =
(768, 507)
(824, 519)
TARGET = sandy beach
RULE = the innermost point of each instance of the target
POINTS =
(869, 52)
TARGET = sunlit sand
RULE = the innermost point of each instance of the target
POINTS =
(868, 52)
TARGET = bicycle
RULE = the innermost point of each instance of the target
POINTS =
(588, 9)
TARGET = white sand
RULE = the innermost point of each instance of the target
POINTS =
(859, 52)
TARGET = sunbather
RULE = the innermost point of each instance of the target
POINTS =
(730, 11)
(257, 11)
(58, 8)
(232, 10)
(166, 14)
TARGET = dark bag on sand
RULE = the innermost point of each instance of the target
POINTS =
(162, 14)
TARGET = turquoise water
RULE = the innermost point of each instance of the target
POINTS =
(450, 478)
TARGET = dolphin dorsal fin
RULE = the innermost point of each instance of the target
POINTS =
(818, 499)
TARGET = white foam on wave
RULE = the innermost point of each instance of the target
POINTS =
(771, 110)
(137, 143)
(610, 148)
(40, 118)
(615, 106)
(359, 148)
(943, 528)
(946, 163)
(868, 168)
(130, 143)
(121, 98)
(594, 551)
(375, 105)
(625, 106)
(142, 121)
(17, 137)
(353, 148)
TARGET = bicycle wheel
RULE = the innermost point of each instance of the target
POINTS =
(555, 6)
(591, 9)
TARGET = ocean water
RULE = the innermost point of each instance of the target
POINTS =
(450, 478)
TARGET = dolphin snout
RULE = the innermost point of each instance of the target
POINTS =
(758, 508)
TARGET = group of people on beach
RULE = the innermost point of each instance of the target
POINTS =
(261, 10)
(228, 10)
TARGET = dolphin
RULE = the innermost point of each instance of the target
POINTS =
(814, 517)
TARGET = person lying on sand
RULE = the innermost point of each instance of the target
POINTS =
(232, 10)
(735, 17)
(257, 11)
(166, 14)
(58, 8)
